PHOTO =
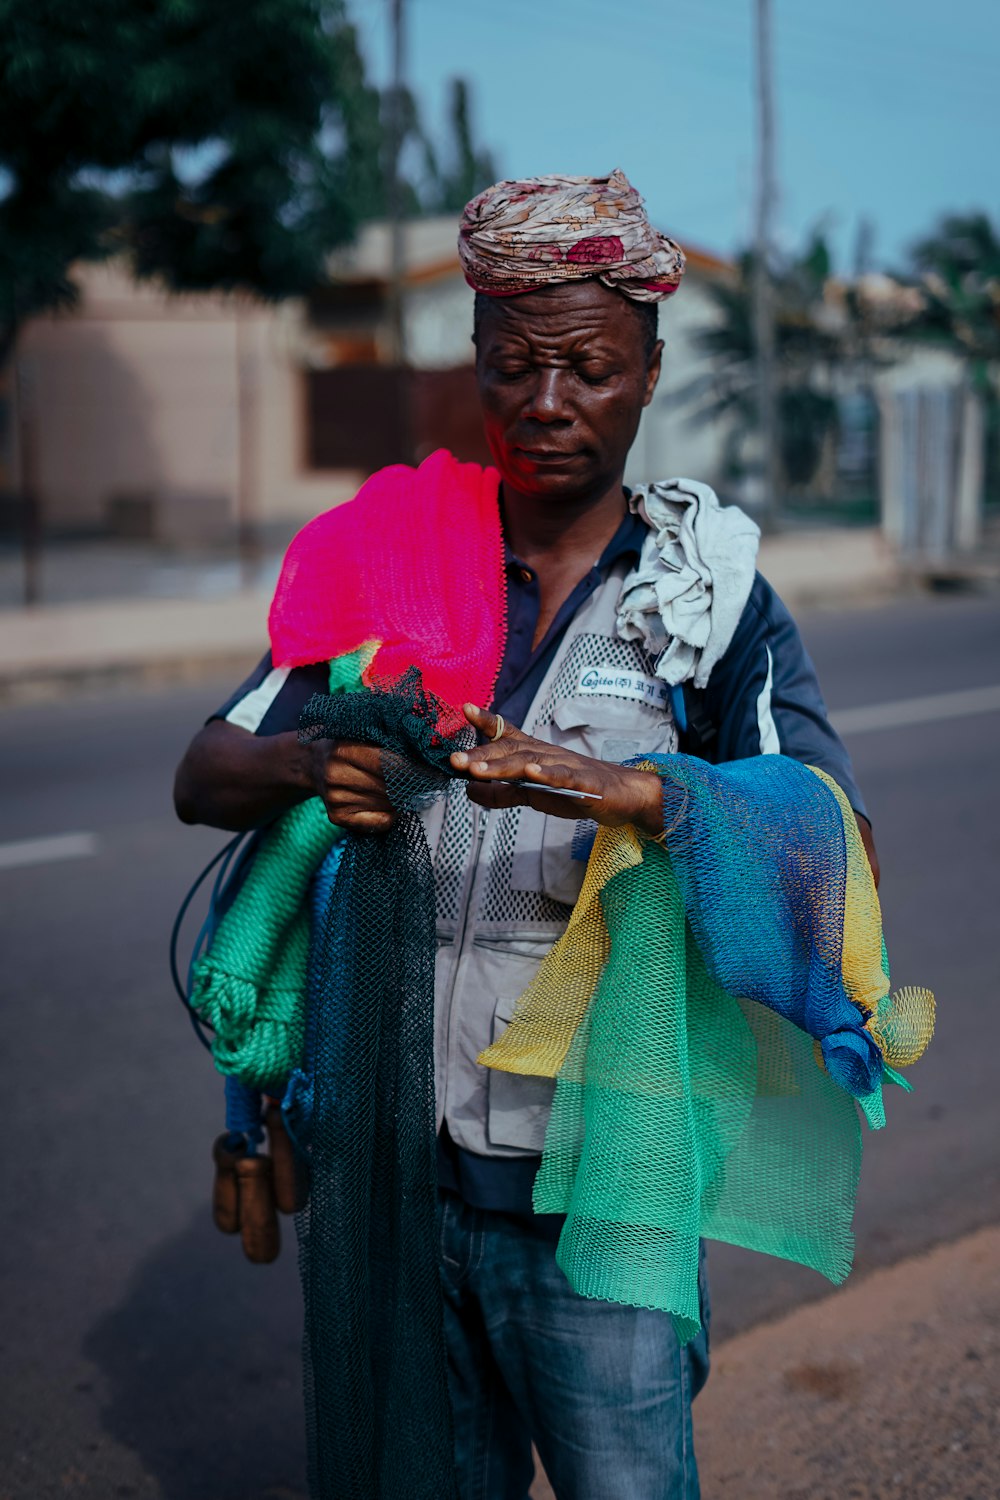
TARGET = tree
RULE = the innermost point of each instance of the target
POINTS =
(288, 149)
(221, 143)
(436, 179)
(218, 143)
(471, 170)
(814, 338)
(118, 91)
(287, 173)
(955, 271)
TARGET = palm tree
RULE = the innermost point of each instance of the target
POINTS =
(957, 271)
(817, 334)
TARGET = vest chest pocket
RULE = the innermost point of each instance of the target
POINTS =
(607, 729)
(611, 729)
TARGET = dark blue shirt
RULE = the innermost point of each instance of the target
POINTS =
(523, 669)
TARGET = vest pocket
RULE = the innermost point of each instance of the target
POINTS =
(519, 1106)
(607, 729)
(562, 875)
(611, 729)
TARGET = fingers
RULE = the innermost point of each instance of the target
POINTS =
(507, 746)
(480, 718)
(488, 782)
(496, 795)
(361, 819)
(551, 773)
(350, 798)
(516, 756)
(493, 796)
(347, 766)
(351, 753)
(529, 760)
(623, 795)
(491, 726)
(348, 777)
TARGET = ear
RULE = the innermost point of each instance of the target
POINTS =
(653, 371)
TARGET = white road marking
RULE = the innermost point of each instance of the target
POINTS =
(909, 711)
(15, 856)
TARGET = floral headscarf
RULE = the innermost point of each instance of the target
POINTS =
(518, 236)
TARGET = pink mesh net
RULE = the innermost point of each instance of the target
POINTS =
(415, 562)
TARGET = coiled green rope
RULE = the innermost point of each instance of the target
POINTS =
(250, 987)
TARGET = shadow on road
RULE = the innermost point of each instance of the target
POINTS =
(203, 1367)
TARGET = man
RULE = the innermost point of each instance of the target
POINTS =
(568, 274)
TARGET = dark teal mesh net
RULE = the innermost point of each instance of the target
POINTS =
(377, 1407)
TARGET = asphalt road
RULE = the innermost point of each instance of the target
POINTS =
(141, 1355)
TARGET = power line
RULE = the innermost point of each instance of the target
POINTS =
(802, 46)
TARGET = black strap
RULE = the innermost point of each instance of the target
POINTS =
(701, 732)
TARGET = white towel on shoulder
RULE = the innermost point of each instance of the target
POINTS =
(685, 596)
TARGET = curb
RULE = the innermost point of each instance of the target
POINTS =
(57, 649)
(107, 678)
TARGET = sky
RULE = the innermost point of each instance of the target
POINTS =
(887, 110)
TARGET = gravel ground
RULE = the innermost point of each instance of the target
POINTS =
(890, 1388)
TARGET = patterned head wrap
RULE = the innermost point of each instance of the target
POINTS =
(518, 236)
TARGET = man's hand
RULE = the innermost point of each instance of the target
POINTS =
(230, 778)
(627, 796)
(865, 830)
(348, 777)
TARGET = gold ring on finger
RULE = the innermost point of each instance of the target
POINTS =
(501, 726)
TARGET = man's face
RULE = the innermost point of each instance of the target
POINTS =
(563, 378)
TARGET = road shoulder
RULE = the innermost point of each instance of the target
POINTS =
(890, 1387)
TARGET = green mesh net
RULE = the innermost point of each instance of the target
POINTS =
(683, 1112)
(715, 1014)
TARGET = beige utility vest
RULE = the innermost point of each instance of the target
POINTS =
(507, 880)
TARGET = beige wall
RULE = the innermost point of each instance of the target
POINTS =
(135, 393)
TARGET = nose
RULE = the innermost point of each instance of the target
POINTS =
(548, 401)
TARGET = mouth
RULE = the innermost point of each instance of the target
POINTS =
(547, 455)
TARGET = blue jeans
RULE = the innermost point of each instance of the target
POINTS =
(604, 1391)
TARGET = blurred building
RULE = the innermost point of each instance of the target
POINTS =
(170, 417)
(157, 415)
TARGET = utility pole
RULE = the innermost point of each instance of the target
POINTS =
(394, 196)
(763, 288)
(247, 528)
(26, 405)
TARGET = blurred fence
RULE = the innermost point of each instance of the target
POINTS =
(932, 454)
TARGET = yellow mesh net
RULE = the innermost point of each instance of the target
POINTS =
(902, 1023)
